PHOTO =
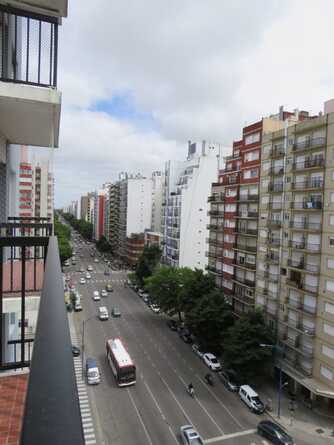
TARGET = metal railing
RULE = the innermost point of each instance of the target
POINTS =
(309, 143)
(305, 225)
(308, 184)
(52, 412)
(306, 205)
(29, 47)
(309, 163)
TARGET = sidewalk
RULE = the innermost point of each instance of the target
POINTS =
(303, 423)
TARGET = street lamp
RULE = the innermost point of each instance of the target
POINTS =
(83, 342)
(277, 349)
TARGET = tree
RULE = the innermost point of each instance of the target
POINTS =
(103, 245)
(147, 262)
(210, 319)
(196, 284)
(63, 234)
(165, 287)
(242, 350)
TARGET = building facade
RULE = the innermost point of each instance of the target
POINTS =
(157, 197)
(187, 185)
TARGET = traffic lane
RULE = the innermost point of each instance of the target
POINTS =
(156, 430)
(192, 409)
(190, 364)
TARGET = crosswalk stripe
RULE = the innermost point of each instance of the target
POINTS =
(88, 430)
(89, 436)
(90, 442)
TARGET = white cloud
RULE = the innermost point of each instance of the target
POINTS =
(201, 69)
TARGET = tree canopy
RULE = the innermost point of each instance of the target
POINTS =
(147, 262)
(63, 234)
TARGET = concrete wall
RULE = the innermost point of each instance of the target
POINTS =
(139, 205)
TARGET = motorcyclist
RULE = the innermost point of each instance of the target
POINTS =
(208, 378)
(191, 388)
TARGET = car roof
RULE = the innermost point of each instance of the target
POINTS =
(272, 424)
(209, 355)
(103, 309)
(249, 390)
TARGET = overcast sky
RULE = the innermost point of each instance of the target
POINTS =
(141, 78)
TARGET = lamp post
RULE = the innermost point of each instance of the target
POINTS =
(83, 342)
(277, 349)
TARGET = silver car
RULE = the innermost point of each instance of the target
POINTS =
(190, 436)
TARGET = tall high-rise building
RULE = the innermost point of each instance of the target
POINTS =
(157, 197)
(114, 212)
(84, 208)
(187, 185)
(43, 190)
(295, 262)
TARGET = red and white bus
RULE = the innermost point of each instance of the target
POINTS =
(120, 362)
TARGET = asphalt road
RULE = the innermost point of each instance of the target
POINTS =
(152, 411)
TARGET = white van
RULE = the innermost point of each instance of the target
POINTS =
(96, 295)
(103, 313)
(92, 372)
(251, 398)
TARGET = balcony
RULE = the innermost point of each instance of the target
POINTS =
(305, 225)
(245, 265)
(216, 197)
(51, 396)
(245, 231)
(276, 171)
(309, 163)
(275, 188)
(277, 151)
(215, 213)
(248, 198)
(211, 254)
(276, 205)
(300, 285)
(28, 79)
(215, 242)
(306, 205)
(301, 265)
(309, 144)
(303, 245)
(272, 258)
(243, 281)
(274, 223)
(214, 227)
(244, 247)
(214, 270)
(308, 184)
(249, 214)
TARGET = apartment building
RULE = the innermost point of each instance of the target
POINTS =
(98, 219)
(187, 185)
(233, 212)
(43, 190)
(84, 208)
(157, 198)
(295, 262)
(114, 215)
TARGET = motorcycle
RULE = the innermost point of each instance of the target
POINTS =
(209, 380)
(191, 391)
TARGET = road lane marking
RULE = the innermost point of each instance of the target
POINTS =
(230, 436)
(140, 417)
(160, 411)
(219, 401)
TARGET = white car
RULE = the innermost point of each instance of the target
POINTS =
(104, 293)
(96, 260)
(190, 436)
(96, 295)
(211, 361)
(82, 281)
(90, 268)
(88, 276)
(155, 308)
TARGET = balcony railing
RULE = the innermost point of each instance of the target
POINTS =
(216, 213)
(305, 225)
(215, 242)
(309, 143)
(308, 184)
(245, 231)
(245, 247)
(309, 163)
(275, 187)
(302, 245)
(249, 197)
(245, 265)
(29, 47)
(306, 205)
(313, 268)
(276, 170)
(274, 223)
(241, 280)
(249, 214)
(302, 286)
(277, 151)
(216, 197)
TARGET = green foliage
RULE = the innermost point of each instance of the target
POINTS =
(165, 288)
(133, 278)
(83, 227)
(63, 234)
(147, 262)
(103, 245)
(242, 350)
(195, 285)
(209, 320)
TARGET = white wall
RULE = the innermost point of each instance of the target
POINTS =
(194, 208)
(139, 205)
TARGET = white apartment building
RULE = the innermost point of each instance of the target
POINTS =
(187, 185)
(157, 197)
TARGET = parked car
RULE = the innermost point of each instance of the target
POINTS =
(275, 433)
(66, 263)
(172, 324)
(103, 313)
(190, 436)
(229, 379)
(92, 372)
(77, 306)
(211, 361)
(82, 281)
(109, 287)
(196, 348)
(146, 298)
(251, 399)
(96, 260)
(186, 335)
(88, 276)
(155, 308)
(96, 295)
(75, 351)
(107, 272)
(104, 293)
(115, 312)
(90, 268)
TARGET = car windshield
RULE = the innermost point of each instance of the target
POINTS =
(92, 373)
(257, 400)
(213, 360)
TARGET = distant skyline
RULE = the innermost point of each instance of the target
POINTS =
(138, 82)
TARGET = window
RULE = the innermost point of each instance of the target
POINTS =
(330, 263)
(331, 241)
(325, 372)
(332, 197)
(329, 307)
(251, 173)
(329, 329)
(252, 156)
(331, 220)
(227, 268)
(330, 286)
(329, 352)
(333, 175)
(252, 138)
(231, 192)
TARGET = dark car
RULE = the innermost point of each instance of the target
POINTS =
(274, 433)
(75, 351)
(107, 272)
(172, 324)
(186, 338)
(230, 380)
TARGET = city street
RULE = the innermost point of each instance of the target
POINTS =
(152, 411)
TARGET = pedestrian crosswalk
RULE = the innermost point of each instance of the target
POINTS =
(86, 415)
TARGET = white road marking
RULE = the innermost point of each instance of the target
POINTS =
(230, 436)
(140, 417)
(89, 436)
(90, 442)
